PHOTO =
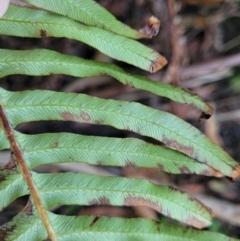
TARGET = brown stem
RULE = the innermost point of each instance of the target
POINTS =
(26, 173)
(172, 74)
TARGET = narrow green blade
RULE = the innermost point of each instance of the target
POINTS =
(24, 22)
(65, 147)
(86, 189)
(48, 105)
(117, 229)
(90, 13)
(87, 228)
(12, 186)
(44, 62)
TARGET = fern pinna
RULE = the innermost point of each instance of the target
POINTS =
(186, 149)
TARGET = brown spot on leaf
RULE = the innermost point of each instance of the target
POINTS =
(5, 231)
(67, 116)
(99, 122)
(93, 221)
(160, 167)
(100, 201)
(43, 33)
(196, 223)
(85, 117)
(176, 190)
(54, 144)
(139, 201)
(159, 63)
(175, 145)
(129, 164)
(128, 83)
(184, 170)
(209, 171)
(151, 28)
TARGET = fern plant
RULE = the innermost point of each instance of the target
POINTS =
(186, 150)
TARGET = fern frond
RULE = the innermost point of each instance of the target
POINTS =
(85, 189)
(65, 147)
(48, 105)
(24, 22)
(90, 13)
(89, 228)
(37, 221)
(45, 62)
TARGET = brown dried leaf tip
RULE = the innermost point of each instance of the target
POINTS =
(151, 28)
(208, 113)
(158, 64)
(205, 115)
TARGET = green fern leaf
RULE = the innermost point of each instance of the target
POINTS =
(24, 22)
(90, 228)
(65, 147)
(45, 62)
(12, 186)
(90, 13)
(133, 229)
(86, 189)
(174, 132)
(37, 221)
